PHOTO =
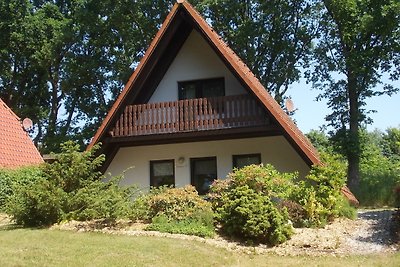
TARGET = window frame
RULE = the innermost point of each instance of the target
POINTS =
(153, 178)
(236, 157)
(199, 86)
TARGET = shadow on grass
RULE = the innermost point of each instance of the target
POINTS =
(381, 232)
(7, 224)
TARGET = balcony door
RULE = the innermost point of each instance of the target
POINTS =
(203, 173)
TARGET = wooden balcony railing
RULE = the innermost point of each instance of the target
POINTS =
(190, 115)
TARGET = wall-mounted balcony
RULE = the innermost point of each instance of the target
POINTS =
(190, 115)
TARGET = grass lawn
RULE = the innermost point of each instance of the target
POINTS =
(43, 247)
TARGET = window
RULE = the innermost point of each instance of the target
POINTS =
(203, 173)
(201, 88)
(162, 172)
(239, 161)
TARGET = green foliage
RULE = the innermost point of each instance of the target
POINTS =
(380, 170)
(69, 188)
(177, 203)
(38, 204)
(72, 55)
(244, 207)
(379, 165)
(72, 169)
(251, 215)
(264, 179)
(320, 192)
(178, 210)
(273, 38)
(11, 179)
(358, 42)
(100, 200)
(202, 227)
(296, 212)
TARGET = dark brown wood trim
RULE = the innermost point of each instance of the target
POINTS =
(184, 137)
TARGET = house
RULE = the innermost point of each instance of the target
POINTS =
(16, 147)
(192, 111)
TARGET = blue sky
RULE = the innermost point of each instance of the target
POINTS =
(310, 114)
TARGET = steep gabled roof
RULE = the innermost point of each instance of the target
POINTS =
(183, 18)
(16, 148)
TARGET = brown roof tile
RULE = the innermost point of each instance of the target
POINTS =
(16, 147)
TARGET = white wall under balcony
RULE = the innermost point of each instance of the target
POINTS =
(196, 60)
(274, 150)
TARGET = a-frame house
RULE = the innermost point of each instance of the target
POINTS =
(192, 111)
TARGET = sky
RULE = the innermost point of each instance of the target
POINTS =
(310, 114)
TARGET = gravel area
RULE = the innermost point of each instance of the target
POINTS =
(369, 233)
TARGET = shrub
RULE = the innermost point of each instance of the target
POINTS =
(252, 216)
(245, 203)
(177, 203)
(296, 212)
(5, 188)
(37, 204)
(202, 227)
(100, 200)
(10, 180)
(379, 176)
(69, 188)
(320, 192)
(178, 210)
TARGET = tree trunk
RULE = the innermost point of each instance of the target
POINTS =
(353, 138)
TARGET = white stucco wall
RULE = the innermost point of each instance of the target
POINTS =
(274, 150)
(196, 60)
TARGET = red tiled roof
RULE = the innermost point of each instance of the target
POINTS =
(294, 135)
(16, 147)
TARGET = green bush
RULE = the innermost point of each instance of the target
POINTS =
(320, 192)
(251, 215)
(379, 177)
(245, 204)
(5, 188)
(100, 200)
(177, 210)
(177, 203)
(202, 227)
(37, 204)
(12, 179)
(69, 188)
(296, 212)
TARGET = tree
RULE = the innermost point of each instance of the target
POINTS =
(272, 37)
(359, 40)
(62, 63)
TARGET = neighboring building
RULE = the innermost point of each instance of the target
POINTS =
(16, 147)
(192, 111)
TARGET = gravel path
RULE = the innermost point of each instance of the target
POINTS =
(369, 233)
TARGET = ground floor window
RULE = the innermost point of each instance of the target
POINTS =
(203, 173)
(162, 172)
(239, 161)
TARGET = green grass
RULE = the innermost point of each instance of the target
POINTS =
(43, 247)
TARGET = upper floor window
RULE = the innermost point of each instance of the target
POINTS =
(201, 88)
